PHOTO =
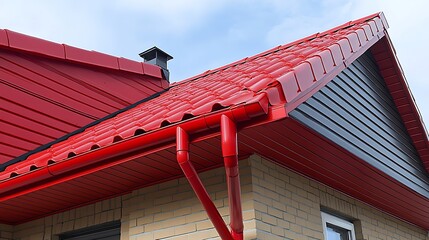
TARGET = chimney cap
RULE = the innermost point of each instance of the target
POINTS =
(154, 52)
(157, 57)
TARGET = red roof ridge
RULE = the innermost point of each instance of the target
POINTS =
(29, 44)
(291, 44)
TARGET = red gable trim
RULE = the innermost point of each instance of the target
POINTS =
(21, 42)
(394, 77)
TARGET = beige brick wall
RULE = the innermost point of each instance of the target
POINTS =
(277, 204)
(287, 206)
(171, 210)
(49, 228)
(6, 232)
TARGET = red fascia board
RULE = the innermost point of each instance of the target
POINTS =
(21, 184)
(21, 42)
(415, 126)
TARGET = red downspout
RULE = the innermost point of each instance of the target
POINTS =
(230, 155)
(188, 169)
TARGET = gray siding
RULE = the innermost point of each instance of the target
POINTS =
(356, 111)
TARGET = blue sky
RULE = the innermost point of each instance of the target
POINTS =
(206, 34)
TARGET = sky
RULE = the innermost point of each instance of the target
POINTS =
(206, 34)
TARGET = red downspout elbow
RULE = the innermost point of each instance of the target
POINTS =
(230, 155)
(188, 169)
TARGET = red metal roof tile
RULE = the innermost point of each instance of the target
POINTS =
(296, 66)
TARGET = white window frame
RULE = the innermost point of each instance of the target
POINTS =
(339, 222)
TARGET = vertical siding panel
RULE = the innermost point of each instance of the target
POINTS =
(356, 111)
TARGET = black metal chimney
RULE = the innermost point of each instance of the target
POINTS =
(157, 57)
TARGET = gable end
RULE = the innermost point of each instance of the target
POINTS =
(356, 111)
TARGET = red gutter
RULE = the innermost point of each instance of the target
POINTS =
(62, 170)
(230, 155)
(196, 184)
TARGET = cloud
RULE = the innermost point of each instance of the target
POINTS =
(408, 31)
(306, 19)
(72, 22)
(171, 16)
(408, 24)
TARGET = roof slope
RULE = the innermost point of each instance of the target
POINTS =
(49, 90)
(284, 74)
(273, 83)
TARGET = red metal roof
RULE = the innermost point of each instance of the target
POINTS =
(134, 148)
(285, 73)
(49, 90)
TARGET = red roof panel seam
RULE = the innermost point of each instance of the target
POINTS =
(53, 90)
(7, 37)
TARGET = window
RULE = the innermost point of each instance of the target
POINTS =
(335, 228)
(107, 231)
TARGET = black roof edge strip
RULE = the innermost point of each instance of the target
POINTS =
(24, 156)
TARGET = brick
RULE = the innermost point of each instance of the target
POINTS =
(164, 233)
(195, 217)
(205, 234)
(263, 226)
(183, 229)
(136, 230)
(275, 212)
(269, 219)
(162, 216)
(248, 215)
(250, 224)
(81, 223)
(202, 225)
(278, 231)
